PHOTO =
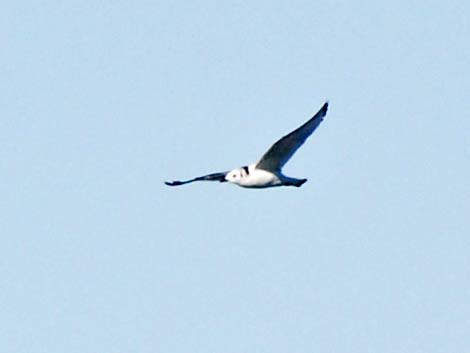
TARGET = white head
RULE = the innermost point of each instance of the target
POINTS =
(238, 176)
(234, 176)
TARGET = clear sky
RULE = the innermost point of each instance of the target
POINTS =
(103, 101)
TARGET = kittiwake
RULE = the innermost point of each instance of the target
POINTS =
(267, 172)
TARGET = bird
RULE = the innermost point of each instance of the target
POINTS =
(267, 172)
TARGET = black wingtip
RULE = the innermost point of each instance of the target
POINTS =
(172, 183)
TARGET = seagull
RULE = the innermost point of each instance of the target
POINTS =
(267, 172)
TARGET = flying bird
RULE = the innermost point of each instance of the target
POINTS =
(267, 172)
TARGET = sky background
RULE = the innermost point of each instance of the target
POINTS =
(103, 101)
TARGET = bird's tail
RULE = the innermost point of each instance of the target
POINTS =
(299, 182)
(294, 182)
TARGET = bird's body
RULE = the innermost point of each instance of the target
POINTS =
(267, 172)
(252, 177)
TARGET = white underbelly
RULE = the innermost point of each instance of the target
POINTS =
(259, 178)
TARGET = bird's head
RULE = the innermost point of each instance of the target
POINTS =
(234, 176)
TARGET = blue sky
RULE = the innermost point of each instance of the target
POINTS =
(102, 102)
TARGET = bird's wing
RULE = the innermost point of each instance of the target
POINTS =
(279, 153)
(210, 177)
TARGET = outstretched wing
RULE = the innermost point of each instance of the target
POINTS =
(210, 177)
(279, 153)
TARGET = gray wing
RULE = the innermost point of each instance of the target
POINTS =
(210, 177)
(279, 153)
